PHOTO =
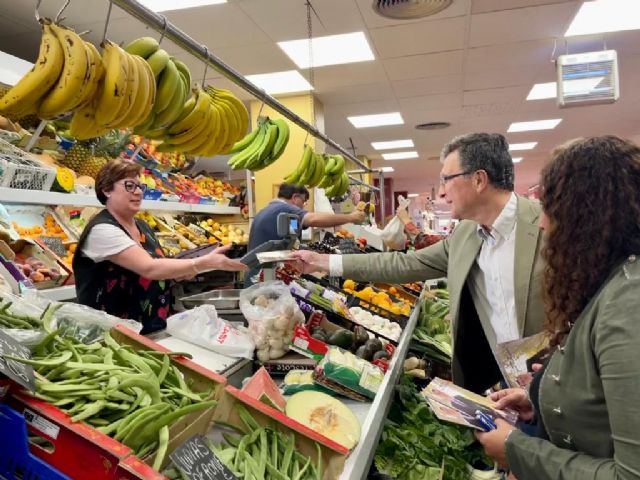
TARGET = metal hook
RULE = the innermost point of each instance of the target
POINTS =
(553, 54)
(164, 29)
(106, 23)
(38, 3)
(262, 105)
(206, 65)
(64, 7)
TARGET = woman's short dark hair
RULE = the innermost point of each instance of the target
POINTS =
(590, 191)
(484, 151)
(288, 190)
(113, 172)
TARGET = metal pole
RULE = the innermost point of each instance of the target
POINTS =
(382, 199)
(360, 182)
(158, 23)
(249, 197)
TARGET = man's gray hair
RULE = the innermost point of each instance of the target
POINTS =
(484, 151)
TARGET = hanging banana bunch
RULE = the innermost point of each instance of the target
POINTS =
(320, 170)
(263, 146)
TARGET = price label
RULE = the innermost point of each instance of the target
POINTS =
(55, 245)
(197, 462)
(17, 371)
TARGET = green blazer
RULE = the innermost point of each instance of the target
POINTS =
(590, 392)
(473, 364)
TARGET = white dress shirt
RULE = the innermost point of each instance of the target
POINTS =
(491, 279)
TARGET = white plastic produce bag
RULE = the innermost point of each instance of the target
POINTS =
(272, 314)
(393, 234)
(202, 326)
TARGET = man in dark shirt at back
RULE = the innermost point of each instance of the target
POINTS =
(291, 199)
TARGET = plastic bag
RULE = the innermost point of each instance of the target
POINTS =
(86, 324)
(272, 314)
(393, 234)
(26, 338)
(202, 326)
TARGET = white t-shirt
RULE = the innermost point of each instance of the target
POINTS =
(105, 240)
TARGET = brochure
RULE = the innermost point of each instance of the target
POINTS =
(516, 358)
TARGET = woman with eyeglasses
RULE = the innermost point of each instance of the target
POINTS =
(119, 265)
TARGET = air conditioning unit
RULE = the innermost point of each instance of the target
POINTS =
(588, 78)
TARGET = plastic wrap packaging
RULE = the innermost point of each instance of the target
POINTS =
(86, 324)
(272, 314)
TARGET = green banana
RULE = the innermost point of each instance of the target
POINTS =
(158, 61)
(174, 108)
(339, 166)
(240, 159)
(263, 151)
(331, 162)
(184, 70)
(245, 142)
(273, 136)
(143, 47)
(319, 172)
(294, 177)
(283, 138)
(309, 171)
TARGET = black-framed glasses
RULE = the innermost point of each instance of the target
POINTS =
(445, 178)
(130, 186)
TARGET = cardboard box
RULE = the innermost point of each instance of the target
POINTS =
(333, 454)
(29, 248)
(80, 451)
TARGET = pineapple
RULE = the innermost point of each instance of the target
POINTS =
(87, 158)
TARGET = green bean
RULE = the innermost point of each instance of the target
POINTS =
(246, 418)
(141, 381)
(286, 460)
(275, 473)
(319, 462)
(262, 464)
(170, 354)
(111, 427)
(232, 440)
(47, 362)
(304, 469)
(133, 437)
(89, 410)
(163, 443)
(166, 363)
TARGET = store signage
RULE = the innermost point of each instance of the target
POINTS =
(197, 462)
(17, 371)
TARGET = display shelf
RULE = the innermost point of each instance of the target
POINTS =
(359, 461)
(39, 197)
(59, 294)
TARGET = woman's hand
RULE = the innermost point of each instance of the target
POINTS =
(515, 399)
(216, 260)
(494, 442)
(306, 261)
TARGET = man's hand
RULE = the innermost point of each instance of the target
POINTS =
(306, 261)
(514, 399)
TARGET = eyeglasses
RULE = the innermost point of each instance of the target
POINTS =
(445, 178)
(130, 186)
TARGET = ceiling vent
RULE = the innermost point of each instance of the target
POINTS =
(432, 125)
(409, 9)
(588, 78)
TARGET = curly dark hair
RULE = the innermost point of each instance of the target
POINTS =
(591, 195)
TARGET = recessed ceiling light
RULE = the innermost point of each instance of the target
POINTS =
(377, 120)
(329, 50)
(522, 146)
(400, 155)
(543, 90)
(605, 16)
(387, 169)
(516, 159)
(281, 82)
(165, 5)
(535, 125)
(412, 195)
(375, 170)
(393, 144)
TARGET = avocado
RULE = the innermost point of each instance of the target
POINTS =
(374, 344)
(342, 338)
(361, 336)
(364, 353)
(320, 335)
(317, 329)
(381, 354)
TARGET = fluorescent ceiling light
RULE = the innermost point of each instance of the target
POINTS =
(12, 69)
(412, 195)
(384, 170)
(400, 155)
(281, 82)
(393, 144)
(165, 5)
(535, 125)
(522, 146)
(329, 50)
(578, 86)
(605, 16)
(387, 169)
(542, 90)
(516, 159)
(377, 120)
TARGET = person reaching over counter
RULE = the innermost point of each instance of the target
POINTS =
(585, 399)
(491, 261)
(119, 265)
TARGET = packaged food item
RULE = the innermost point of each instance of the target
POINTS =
(296, 381)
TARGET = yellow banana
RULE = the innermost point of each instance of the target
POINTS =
(236, 105)
(232, 122)
(114, 92)
(150, 85)
(216, 137)
(97, 72)
(142, 98)
(197, 115)
(224, 130)
(24, 96)
(68, 91)
(131, 91)
(187, 108)
(198, 130)
(83, 123)
(158, 61)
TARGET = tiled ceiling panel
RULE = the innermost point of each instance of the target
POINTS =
(429, 65)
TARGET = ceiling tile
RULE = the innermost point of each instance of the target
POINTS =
(432, 102)
(334, 76)
(493, 95)
(428, 86)
(483, 6)
(547, 21)
(357, 93)
(510, 55)
(501, 78)
(419, 66)
(373, 20)
(417, 38)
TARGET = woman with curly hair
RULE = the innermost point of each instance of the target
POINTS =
(586, 399)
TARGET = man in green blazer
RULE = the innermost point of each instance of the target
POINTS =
(492, 260)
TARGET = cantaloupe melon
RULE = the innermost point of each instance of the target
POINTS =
(326, 415)
(85, 180)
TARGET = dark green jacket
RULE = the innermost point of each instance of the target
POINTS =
(474, 365)
(590, 393)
